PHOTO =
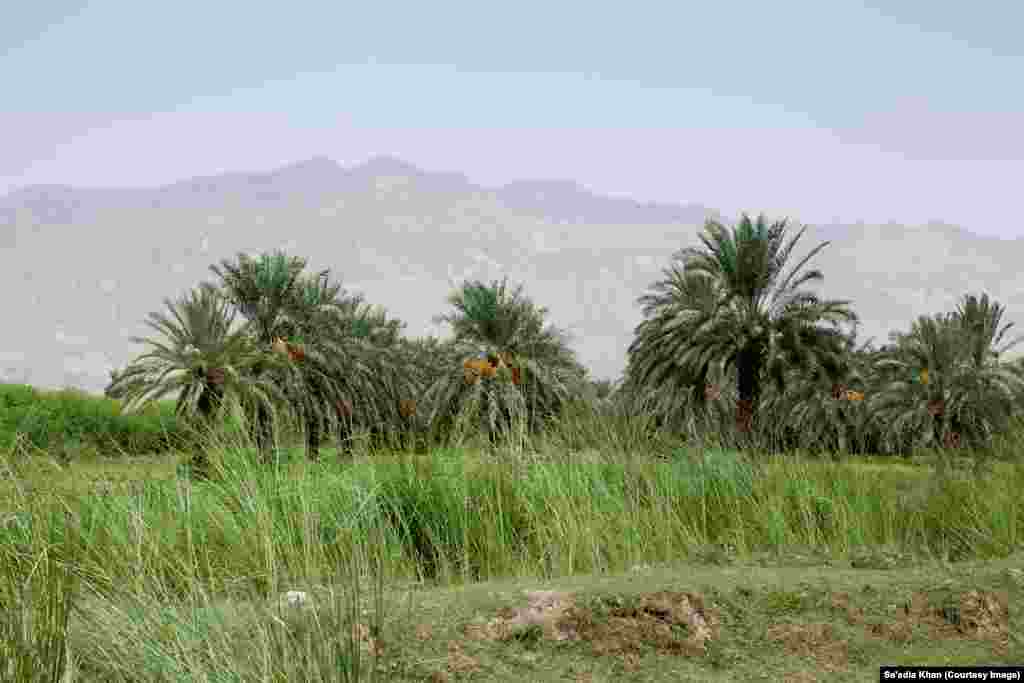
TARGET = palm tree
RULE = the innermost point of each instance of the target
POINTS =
(306, 334)
(602, 388)
(729, 305)
(344, 370)
(427, 361)
(657, 383)
(823, 406)
(362, 349)
(262, 289)
(201, 359)
(110, 391)
(522, 366)
(943, 380)
(981, 318)
(919, 377)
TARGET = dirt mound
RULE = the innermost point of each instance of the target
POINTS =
(669, 622)
(976, 614)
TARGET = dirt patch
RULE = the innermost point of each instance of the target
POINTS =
(669, 622)
(545, 610)
(979, 615)
(459, 662)
(815, 641)
(976, 614)
(841, 602)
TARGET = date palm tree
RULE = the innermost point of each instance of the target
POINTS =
(110, 391)
(337, 350)
(919, 378)
(730, 306)
(657, 383)
(944, 382)
(522, 366)
(262, 289)
(200, 358)
(340, 348)
(305, 334)
(981, 318)
(824, 406)
(359, 351)
(427, 361)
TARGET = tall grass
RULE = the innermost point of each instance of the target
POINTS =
(37, 587)
(178, 582)
(180, 579)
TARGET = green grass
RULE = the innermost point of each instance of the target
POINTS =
(699, 564)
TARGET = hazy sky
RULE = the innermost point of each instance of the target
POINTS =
(838, 110)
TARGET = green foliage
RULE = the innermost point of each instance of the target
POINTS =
(499, 323)
(69, 422)
(980, 319)
(198, 358)
(970, 393)
(261, 288)
(730, 307)
(816, 399)
(727, 315)
(733, 351)
(339, 350)
(14, 396)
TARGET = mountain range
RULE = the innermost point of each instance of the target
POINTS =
(80, 268)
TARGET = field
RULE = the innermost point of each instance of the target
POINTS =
(472, 563)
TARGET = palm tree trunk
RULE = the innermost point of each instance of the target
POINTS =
(313, 427)
(702, 390)
(313, 439)
(744, 415)
(940, 428)
(748, 386)
(208, 402)
(264, 432)
(262, 426)
(344, 410)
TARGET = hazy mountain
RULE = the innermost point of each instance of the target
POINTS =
(81, 267)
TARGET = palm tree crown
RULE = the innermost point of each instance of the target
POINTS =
(200, 358)
(535, 369)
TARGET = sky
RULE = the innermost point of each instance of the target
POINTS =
(906, 111)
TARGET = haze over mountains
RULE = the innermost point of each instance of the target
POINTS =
(80, 268)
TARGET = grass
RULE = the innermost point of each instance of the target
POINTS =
(584, 559)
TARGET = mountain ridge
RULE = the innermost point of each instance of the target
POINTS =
(320, 175)
(84, 266)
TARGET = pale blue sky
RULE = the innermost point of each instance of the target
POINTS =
(828, 110)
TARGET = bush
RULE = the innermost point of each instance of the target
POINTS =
(72, 422)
